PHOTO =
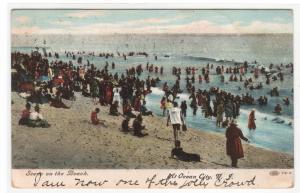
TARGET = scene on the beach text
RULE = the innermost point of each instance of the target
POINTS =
(152, 89)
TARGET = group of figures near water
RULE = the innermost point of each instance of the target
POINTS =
(43, 79)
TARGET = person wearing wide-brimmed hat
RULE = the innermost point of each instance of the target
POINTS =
(234, 147)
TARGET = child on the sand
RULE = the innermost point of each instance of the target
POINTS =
(94, 118)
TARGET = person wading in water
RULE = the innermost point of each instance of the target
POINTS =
(251, 120)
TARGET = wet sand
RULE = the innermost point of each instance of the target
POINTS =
(72, 142)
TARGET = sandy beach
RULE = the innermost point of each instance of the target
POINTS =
(72, 142)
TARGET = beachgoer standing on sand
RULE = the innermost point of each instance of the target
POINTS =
(163, 104)
(176, 119)
(220, 111)
(108, 94)
(251, 120)
(234, 147)
(94, 91)
(228, 109)
(116, 96)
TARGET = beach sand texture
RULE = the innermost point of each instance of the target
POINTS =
(72, 142)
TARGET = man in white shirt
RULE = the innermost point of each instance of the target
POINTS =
(176, 119)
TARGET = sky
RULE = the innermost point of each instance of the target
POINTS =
(151, 21)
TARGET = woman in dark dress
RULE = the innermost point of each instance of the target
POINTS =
(234, 147)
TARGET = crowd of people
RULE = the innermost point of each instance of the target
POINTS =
(42, 81)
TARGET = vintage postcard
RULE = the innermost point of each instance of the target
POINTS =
(146, 98)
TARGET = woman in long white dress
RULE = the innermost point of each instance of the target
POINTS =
(116, 96)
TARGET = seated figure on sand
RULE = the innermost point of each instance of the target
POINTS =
(94, 118)
(125, 124)
(36, 119)
(25, 115)
(127, 110)
(57, 101)
(183, 156)
(138, 127)
(144, 110)
(113, 110)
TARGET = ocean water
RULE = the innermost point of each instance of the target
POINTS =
(194, 50)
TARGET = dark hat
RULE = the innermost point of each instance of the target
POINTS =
(37, 107)
(233, 122)
(28, 105)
